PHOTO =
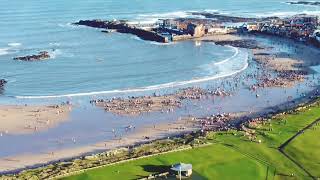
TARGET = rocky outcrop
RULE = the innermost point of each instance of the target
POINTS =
(2, 82)
(42, 55)
(244, 43)
(123, 27)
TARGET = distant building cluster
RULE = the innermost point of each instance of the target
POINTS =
(181, 29)
(299, 27)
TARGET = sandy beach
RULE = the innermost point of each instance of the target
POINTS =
(136, 136)
(29, 119)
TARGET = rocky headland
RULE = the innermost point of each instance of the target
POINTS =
(122, 27)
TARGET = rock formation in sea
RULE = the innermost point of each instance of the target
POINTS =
(42, 55)
(2, 82)
(310, 3)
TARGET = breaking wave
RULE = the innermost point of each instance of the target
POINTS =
(9, 49)
(153, 18)
(4, 51)
(14, 44)
(286, 13)
(236, 52)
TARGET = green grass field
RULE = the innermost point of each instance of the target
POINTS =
(232, 165)
(232, 156)
(306, 150)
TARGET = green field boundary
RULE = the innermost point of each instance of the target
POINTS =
(285, 144)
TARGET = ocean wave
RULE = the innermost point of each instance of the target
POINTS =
(11, 48)
(67, 25)
(4, 51)
(54, 44)
(236, 52)
(147, 88)
(287, 13)
(53, 54)
(153, 18)
(162, 44)
(14, 44)
(152, 42)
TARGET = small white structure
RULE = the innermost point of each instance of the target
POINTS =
(316, 34)
(219, 30)
(183, 170)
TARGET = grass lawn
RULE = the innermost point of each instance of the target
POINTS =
(213, 161)
(233, 156)
(305, 149)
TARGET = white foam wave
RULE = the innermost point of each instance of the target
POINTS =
(152, 42)
(287, 13)
(143, 89)
(175, 14)
(153, 18)
(67, 25)
(11, 48)
(54, 44)
(162, 44)
(14, 44)
(53, 54)
(236, 52)
(4, 51)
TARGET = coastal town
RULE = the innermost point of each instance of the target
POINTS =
(257, 137)
(300, 27)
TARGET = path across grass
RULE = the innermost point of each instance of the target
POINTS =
(305, 149)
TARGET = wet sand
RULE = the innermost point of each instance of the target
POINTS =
(29, 119)
(136, 136)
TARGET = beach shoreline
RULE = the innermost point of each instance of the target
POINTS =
(26, 119)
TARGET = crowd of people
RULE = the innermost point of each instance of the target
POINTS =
(163, 103)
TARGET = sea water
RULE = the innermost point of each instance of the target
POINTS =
(85, 61)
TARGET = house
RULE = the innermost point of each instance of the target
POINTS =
(219, 30)
(196, 30)
(252, 26)
(169, 24)
(182, 170)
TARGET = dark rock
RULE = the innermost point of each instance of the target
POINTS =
(42, 55)
(245, 43)
(123, 27)
(310, 3)
(2, 82)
